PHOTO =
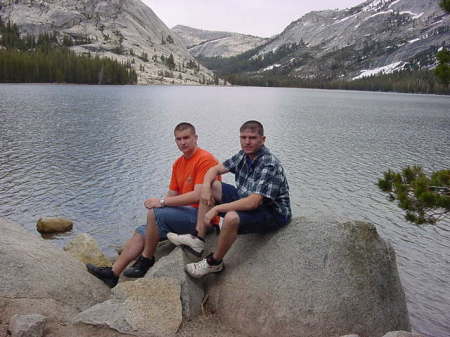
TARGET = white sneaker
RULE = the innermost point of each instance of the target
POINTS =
(191, 242)
(202, 268)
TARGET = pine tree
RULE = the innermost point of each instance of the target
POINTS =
(442, 71)
(169, 39)
(170, 62)
(425, 199)
(445, 5)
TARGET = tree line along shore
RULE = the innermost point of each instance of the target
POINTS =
(47, 59)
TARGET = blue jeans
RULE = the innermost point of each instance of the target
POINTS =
(260, 220)
(180, 220)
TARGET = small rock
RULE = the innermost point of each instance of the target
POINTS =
(352, 335)
(145, 307)
(401, 334)
(27, 325)
(85, 249)
(53, 225)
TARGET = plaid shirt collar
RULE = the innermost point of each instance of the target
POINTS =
(252, 162)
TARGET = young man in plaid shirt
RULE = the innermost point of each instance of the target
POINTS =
(258, 204)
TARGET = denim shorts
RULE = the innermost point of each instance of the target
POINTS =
(180, 220)
(260, 220)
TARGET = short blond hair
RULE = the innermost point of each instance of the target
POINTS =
(184, 126)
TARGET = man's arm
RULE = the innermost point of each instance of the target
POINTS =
(210, 176)
(171, 193)
(249, 203)
(185, 198)
(173, 199)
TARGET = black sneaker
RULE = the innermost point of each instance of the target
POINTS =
(103, 273)
(140, 267)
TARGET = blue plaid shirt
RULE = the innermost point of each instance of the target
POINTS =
(265, 176)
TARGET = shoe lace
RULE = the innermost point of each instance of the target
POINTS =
(105, 269)
(203, 264)
(143, 262)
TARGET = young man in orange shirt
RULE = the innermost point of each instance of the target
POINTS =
(176, 212)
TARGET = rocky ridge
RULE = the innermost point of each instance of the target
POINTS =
(215, 43)
(125, 30)
(377, 36)
(374, 34)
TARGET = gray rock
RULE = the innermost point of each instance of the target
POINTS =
(53, 225)
(318, 277)
(34, 274)
(208, 43)
(164, 248)
(192, 291)
(145, 307)
(85, 249)
(27, 325)
(401, 334)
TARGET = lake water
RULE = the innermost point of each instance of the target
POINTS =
(93, 154)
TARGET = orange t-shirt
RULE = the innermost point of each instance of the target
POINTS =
(186, 173)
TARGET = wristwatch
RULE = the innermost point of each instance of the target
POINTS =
(162, 202)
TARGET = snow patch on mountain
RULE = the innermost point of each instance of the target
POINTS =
(393, 3)
(272, 67)
(379, 13)
(388, 69)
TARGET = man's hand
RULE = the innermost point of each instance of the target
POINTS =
(206, 196)
(209, 216)
(152, 203)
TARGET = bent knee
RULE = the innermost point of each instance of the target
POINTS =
(231, 218)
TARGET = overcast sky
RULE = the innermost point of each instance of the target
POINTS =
(256, 17)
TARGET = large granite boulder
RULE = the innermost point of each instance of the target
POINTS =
(318, 277)
(39, 278)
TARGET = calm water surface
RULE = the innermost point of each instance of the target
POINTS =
(93, 154)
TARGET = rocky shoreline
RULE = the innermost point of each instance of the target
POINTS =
(314, 278)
